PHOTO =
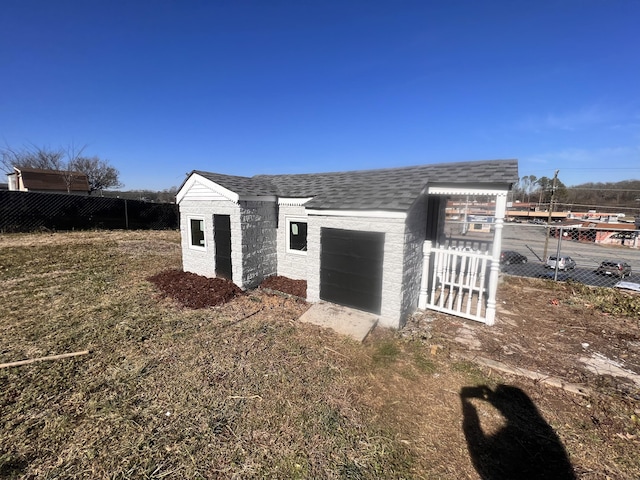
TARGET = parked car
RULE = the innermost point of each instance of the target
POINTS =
(563, 262)
(509, 256)
(615, 268)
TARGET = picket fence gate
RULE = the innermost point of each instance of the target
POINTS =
(458, 282)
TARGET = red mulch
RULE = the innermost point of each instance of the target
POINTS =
(195, 291)
(297, 288)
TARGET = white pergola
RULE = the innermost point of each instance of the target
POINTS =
(500, 193)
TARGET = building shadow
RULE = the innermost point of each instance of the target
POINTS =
(526, 447)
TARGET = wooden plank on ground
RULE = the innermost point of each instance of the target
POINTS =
(42, 359)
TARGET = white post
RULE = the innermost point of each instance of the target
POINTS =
(424, 283)
(494, 272)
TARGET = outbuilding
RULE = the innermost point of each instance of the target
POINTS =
(359, 238)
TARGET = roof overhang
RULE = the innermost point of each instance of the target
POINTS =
(468, 189)
(293, 201)
(357, 213)
(257, 198)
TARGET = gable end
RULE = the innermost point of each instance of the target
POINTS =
(199, 188)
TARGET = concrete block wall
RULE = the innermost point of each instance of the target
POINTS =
(393, 263)
(259, 241)
(291, 264)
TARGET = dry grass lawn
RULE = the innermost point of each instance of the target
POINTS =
(241, 390)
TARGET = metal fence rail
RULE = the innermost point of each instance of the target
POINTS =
(28, 211)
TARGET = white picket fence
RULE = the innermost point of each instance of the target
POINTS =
(458, 282)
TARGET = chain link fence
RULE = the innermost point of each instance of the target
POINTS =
(29, 211)
(604, 256)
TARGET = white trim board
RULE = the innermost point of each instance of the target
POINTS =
(357, 213)
(293, 201)
(464, 191)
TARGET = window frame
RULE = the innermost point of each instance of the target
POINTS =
(203, 224)
(288, 222)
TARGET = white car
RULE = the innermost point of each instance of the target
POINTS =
(563, 262)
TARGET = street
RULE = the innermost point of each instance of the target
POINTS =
(529, 240)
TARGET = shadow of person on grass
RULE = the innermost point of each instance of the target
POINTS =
(526, 447)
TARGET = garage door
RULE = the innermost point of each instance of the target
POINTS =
(351, 268)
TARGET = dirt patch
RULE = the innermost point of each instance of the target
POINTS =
(548, 328)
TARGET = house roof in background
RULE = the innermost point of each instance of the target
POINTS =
(383, 189)
(52, 180)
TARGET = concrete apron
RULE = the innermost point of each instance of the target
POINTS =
(346, 321)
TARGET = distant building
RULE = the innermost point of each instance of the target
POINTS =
(48, 181)
(623, 234)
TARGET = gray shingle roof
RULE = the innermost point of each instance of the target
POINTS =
(384, 189)
(240, 185)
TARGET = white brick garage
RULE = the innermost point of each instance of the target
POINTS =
(275, 224)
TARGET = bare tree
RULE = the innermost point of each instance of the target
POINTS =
(69, 162)
(68, 170)
(100, 174)
(32, 156)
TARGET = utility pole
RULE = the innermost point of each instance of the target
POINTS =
(549, 217)
(465, 226)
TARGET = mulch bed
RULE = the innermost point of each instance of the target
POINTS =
(297, 288)
(195, 291)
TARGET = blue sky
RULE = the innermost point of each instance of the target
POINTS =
(159, 88)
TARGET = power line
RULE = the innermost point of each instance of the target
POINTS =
(600, 168)
(602, 189)
(603, 207)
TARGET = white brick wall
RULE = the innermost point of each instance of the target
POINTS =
(253, 239)
(203, 262)
(292, 265)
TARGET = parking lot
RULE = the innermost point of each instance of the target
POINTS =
(529, 240)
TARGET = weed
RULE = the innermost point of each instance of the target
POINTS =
(471, 371)
(424, 364)
(608, 300)
(386, 353)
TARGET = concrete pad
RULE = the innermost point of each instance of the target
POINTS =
(346, 321)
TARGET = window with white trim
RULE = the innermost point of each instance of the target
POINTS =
(196, 233)
(296, 236)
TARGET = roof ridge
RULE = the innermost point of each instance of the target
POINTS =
(391, 169)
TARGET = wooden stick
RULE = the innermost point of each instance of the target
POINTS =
(41, 359)
(243, 397)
